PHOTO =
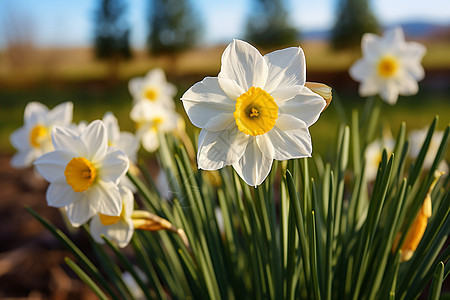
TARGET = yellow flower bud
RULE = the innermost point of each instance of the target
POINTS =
(322, 90)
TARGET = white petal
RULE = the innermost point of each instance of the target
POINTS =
(205, 100)
(393, 39)
(286, 67)
(149, 139)
(307, 106)
(35, 112)
(369, 87)
(61, 194)
(389, 92)
(64, 138)
(61, 114)
(219, 122)
(105, 198)
(114, 165)
(20, 138)
(290, 144)
(265, 145)
(286, 93)
(407, 85)
(129, 144)
(80, 211)
(112, 127)
(128, 200)
(289, 122)
(253, 167)
(240, 62)
(96, 140)
(52, 165)
(23, 159)
(371, 47)
(97, 229)
(230, 88)
(120, 232)
(219, 149)
(361, 70)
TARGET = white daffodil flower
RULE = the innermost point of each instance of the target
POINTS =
(373, 153)
(153, 88)
(125, 141)
(390, 66)
(33, 139)
(122, 140)
(151, 119)
(256, 110)
(116, 228)
(417, 138)
(83, 172)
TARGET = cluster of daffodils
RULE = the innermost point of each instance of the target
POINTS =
(390, 66)
(153, 108)
(86, 163)
(256, 110)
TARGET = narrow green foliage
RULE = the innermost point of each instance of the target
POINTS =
(85, 278)
(435, 289)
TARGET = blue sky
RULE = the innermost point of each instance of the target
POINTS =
(70, 23)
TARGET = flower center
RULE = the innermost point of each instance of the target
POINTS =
(37, 135)
(256, 112)
(387, 66)
(151, 94)
(80, 174)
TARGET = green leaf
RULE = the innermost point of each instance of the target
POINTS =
(85, 278)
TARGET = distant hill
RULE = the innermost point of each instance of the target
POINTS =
(413, 30)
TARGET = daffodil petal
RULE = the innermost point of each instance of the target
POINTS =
(52, 165)
(114, 165)
(219, 149)
(96, 137)
(206, 99)
(60, 194)
(369, 87)
(34, 112)
(389, 92)
(112, 126)
(61, 114)
(305, 106)
(22, 159)
(285, 93)
(287, 122)
(65, 138)
(407, 85)
(253, 166)
(129, 144)
(231, 88)
(286, 67)
(265, 145)
(219, 122)
(20, 138)
(240, 62)
(80, 211)
(107, 196)
(149, 138)
(370, 46)
(361, 70)
(291, 144)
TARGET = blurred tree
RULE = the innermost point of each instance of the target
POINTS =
(174, 26)
(354, 18)
(112, 33)
(268, 25)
